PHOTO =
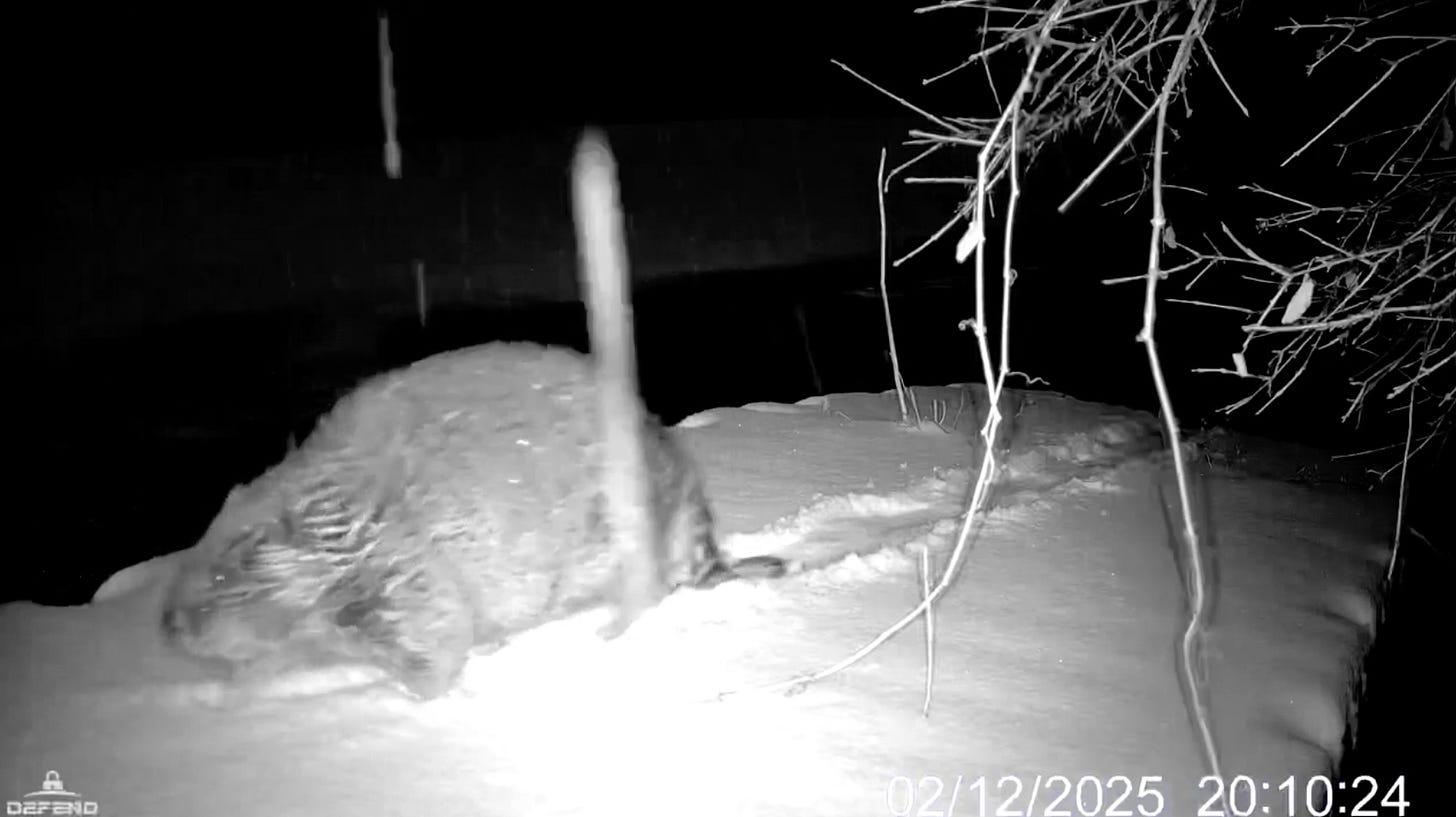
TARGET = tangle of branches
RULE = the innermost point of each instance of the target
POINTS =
(1382, 282)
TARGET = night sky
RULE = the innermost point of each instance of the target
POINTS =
(115, 85)
(112, 85)
(105, 88)
(97, 90)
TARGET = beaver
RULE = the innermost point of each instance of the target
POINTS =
(438, 508)
(446, 506)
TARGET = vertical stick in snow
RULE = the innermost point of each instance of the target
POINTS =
(604, 283)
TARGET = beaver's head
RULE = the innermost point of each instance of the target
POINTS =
(273, 559)
(222, 605)
(244, 585)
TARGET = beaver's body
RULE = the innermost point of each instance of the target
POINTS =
(445, 505)
(460, 500)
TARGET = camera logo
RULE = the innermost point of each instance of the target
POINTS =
(52, 799)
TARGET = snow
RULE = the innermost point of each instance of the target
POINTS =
(1055, 650)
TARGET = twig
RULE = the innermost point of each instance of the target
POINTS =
(1107, 160)
(885, 292)
(1221, 78)
(862, 78)
(1348, 320)
(1389, 71)
(985, 475)
(916, 158)
(1210, 305)
(1191, 653)
(944, 228)
(929, 630)
(1410, 424)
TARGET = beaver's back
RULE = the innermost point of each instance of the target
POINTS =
(497, 451)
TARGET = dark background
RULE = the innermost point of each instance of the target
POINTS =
(208, 251)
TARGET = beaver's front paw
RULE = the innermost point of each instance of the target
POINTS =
(416, 623)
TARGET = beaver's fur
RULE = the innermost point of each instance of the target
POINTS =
(442, 506)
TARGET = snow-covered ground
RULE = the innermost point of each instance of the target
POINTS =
(1055, 650)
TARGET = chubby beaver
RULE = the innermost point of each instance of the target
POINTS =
(438, 508)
